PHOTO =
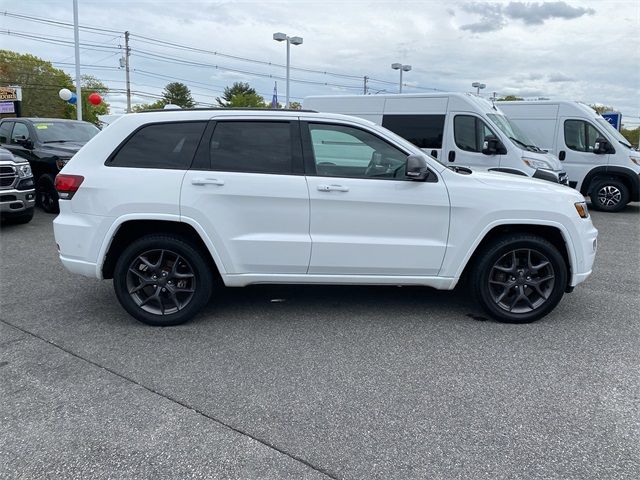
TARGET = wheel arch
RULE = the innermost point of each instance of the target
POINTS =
(625, 175)
(130, 229)
(555, 234)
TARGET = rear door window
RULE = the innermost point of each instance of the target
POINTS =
(424, 131)
(161, 145)
(253, 147)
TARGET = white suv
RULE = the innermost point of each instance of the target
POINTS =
(168, 202)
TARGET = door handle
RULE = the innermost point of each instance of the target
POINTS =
(333, 188)
(452, 156)
(207, 181)
(562, 155)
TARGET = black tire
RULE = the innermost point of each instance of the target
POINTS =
(497, 282)
(46, 195)
(149, 260)
(24, 217)
(608, 195)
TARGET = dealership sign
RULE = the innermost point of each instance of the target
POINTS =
(614, 118)
(11, 94)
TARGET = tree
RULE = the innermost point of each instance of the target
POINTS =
(632, 135)
(178, 94)
(90, 112)
(40, 83)
(157, 105)
(295, 105)
(241, 94)
(600, 109)
(509, 98)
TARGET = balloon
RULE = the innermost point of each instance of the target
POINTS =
(73, 99)
(95, 99)
(65, 94)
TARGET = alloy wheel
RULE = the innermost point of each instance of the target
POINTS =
(609, 196)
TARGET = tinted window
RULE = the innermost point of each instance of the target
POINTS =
(580, 135)
(257, 147)
(424, 131)
(341, 151)
(469, 133)
(5, 131)
(163, 145)
(20, 130)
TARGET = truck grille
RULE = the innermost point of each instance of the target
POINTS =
(8, 176)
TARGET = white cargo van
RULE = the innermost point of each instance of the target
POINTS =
(458, 129)
(598, 159)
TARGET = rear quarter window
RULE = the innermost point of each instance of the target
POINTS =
(169, 145)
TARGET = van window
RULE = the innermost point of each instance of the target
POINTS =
(252, 147)
(580, 135)
(469, 132)
(424, 131)
(342, 151)
(160, 145)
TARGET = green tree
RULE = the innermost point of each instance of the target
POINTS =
(40, 83)
(178, 94)
(157, 105)
(91, 84)
(509, 98)
(241, 94)
(632, 135)
(295, 105)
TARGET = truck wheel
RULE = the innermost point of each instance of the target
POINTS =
(609, 195)
(162, 280)
(46, 195)
(519, 278)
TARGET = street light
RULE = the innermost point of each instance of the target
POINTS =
(478, 86)
(402, 68)
(282, 37)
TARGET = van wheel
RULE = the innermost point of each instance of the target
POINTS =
(162, 280)
(609, 195)
(519, 278)
(46, 195)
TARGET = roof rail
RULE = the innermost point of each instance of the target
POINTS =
(228, 108)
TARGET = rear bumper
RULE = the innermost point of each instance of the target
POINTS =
(16, 201)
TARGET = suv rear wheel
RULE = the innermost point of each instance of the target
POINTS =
(609, 195)
(162, 280)
(519, 278)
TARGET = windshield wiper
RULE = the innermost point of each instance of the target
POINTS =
(58, 141)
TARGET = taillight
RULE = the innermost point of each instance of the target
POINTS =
(68, 185)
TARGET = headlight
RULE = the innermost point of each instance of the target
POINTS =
(533, 163)
(635, 160)
(24, 171)
(581, 208)
(61, 162)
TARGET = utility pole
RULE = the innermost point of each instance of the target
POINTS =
(365, 84)
(76, 36)
(127, 52)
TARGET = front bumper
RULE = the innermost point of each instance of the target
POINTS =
(552, 176)
(588, 245)
(16, 201)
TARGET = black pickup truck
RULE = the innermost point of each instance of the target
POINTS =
(48, 144)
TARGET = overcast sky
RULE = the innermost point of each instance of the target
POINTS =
(584, 50)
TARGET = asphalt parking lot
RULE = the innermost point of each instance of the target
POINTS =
(317, 382)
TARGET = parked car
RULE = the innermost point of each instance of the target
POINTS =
(455, 128)
(166, 202)
(47, 144)
(599, 161)
(17, 195)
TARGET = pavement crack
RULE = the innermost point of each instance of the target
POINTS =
(264, 442)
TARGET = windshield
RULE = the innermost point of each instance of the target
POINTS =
(513, 132)
(51, 132)
(612, 131)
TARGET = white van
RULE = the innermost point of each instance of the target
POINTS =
(458, 129)
(598, 159)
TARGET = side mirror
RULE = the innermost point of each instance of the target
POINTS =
(493, 146)
(602, 146)
(22, 140)
(416, 168)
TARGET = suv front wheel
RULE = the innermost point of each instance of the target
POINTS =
(519, 278)
(162, 280)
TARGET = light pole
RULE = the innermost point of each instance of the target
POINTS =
(282, 37)
(76, 38)
(402, 68)
(478, 86)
